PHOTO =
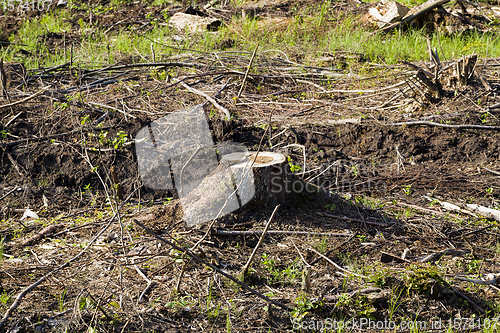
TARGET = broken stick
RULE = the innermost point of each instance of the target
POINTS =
(38, 93)
(244, 271)
(213, 101)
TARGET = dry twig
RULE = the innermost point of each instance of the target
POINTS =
(244, 271)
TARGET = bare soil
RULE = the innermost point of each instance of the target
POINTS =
(56, 161)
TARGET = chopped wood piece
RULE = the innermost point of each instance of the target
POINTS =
(387, 12)
(194, 23)
(415, 13)
(43, 233)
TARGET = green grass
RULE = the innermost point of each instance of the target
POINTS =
(310, 33)
(4, 298)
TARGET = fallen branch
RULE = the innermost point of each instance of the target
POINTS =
(213, 101)
(38, 93)
(426, 210)
(335, 248)
(351, 219)
(422, 9)
(244, 271)
(480, 309)
(150, 283)
(275, 232)
(335, 265)
(484, 211)
(430, 123)
(492, 171)
(14, 189)
(435, 256)
(363, 291)
(370, 91)
(43, 233)
(246, 72)
(448, 206)
(146, 64)
(490, 279)
(15, 143)
(16, 166)
(112, 108)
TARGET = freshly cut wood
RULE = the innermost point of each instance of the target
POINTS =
(415, 13)
(387, 12)
(194, 23)
(241, 178)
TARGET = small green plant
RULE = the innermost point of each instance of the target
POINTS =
(60, 300)
(268, 262)
(44, 182)
(179, 303)
(489, 190)
(3, 134)
(303, 305)
(293, 167)
(87, 188)
(291, 272)
(380, 277)
(103, 138)
(322, 245)
(4, 298)
(212, 311)
(331, 207)
(120, 140)
(355, 171)
(474, 265)
(84, 119)
(407, 189)
(434, 202)
(421, 279)
(408, 212)
(85, 303)
(228, 321)
(361, 238)
(288, 275)
(394, 301)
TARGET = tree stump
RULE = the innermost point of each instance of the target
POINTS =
(238, 181)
